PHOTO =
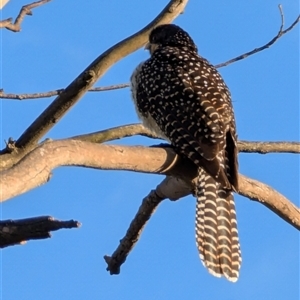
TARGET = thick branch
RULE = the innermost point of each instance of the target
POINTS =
(35, 169)
(25, 11)
(16, 232)
(6, 161)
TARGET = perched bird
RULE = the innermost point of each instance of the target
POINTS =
(182, 98)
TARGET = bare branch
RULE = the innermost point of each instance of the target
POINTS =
(132, 235)
(35, 169)
(138, 129)
(110, 87)
(7, 161)
(56, 110)
(51, 115)
(25, 11)
(170, 188)
(268, 147)
(29, 96)
(249, 188)
(16, 232)
(280, 33)
(116, 133)
(106, 135)
(58, 92)
(272, 199)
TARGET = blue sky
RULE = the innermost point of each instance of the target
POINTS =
(54, 46)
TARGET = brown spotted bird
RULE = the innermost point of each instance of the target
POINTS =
(182, 98)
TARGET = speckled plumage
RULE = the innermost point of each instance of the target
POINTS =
(182, 98)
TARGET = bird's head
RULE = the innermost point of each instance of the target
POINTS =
(170, 35)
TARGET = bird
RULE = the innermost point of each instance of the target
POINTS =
(183, 99)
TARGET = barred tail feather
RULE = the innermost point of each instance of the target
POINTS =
(216, 229)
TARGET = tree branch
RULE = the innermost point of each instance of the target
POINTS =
(16, 232)
(280, 33)
(249, 188)
(58, 92)
(6, 161)
(25, 11)
(138, 129)
(269, 197)
(35, 169)
(116, 133)
(144, 213)
(170, 188)
(91, 74)
(119, 132)
(268, 147)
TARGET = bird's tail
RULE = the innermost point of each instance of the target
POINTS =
(216, 228)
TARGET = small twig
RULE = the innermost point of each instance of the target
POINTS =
(292, 26)
(25, 10)
(58, 92)
(16, 232)
(279, 34)
(111, 87)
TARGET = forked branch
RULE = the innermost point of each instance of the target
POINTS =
(25, 11)
(15, 150)
(249, 188)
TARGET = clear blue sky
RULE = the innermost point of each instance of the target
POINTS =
(54, 46)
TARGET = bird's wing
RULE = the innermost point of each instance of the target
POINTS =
(172, 100)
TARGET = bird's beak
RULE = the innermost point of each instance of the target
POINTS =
(151, 47)
(147, 46)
